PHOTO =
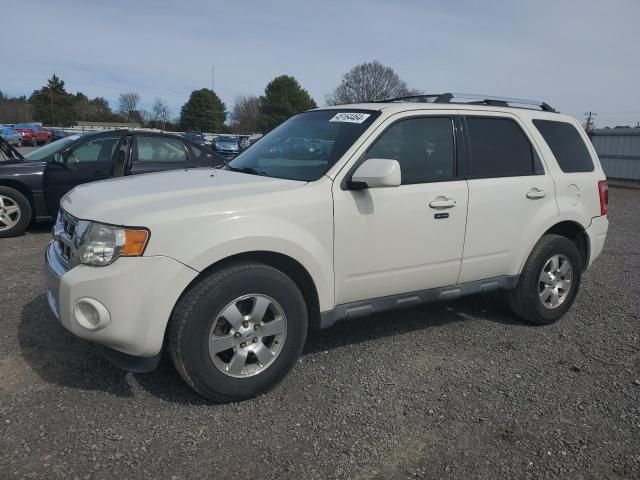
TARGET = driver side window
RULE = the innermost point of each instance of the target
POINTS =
(423, 146)
(98, 150)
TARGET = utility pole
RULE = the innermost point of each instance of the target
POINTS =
(589, 124)
(212, 84)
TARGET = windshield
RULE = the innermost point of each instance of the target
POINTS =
(226, 139)
(24, 126)
(48, 150)
(305, 146)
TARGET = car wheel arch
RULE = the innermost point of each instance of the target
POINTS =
(282, 262)
(571, 229)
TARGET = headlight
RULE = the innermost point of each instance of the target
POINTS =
(99, 244)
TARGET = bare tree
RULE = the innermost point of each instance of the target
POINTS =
(244, 116)
(128, 105)
(160, 112)
(368, 82)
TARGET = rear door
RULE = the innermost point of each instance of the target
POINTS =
(85, 162)
(154, 153)
(511, 196)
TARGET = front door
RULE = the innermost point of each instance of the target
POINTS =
(87, 162)
(401, 239)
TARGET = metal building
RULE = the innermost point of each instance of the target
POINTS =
(619, 151)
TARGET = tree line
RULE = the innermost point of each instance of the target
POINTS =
(204, 111)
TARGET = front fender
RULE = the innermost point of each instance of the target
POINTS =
(310, 243)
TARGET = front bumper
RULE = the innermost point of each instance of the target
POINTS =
(138, 295)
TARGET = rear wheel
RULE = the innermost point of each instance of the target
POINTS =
(549, 281)
(15, 212)
(238, 332)
(19, 142)
(34, 142)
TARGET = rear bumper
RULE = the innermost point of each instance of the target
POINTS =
(597, 233)
(134, 298)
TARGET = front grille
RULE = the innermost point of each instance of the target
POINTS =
(63, 235)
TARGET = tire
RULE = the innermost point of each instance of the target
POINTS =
(526, 300)
(9, 199)
(34, 143)
(19, 142)
(198, 315)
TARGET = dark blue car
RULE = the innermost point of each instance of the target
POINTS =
(31, 186)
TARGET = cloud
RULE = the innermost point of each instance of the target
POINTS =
(576, 55)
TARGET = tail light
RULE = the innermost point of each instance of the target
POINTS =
(603, 190)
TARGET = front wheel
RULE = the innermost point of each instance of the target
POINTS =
(15, 212)
(236, 333)
(549, 281)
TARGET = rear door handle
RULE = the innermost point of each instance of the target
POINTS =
(535, 193)
(442, 202)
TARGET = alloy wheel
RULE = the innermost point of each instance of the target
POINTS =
(10, 212)
(247, 335)
(555, 281)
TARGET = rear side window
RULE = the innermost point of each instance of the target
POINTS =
(566, 144)
(161, 149)
(499, 148)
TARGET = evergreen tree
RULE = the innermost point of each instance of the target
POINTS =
(282, 98)
(53, 105)
(204, 112)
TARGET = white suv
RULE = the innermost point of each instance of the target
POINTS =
(338, 213)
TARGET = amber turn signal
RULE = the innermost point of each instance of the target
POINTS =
(135, 242)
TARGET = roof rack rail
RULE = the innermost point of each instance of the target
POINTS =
(474, 100)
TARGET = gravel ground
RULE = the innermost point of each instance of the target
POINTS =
(458, 390)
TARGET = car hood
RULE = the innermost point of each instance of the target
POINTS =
(144, 199)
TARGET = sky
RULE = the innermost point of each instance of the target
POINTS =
(577, 55)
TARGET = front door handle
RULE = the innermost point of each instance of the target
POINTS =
(442, 202)
(536, 193)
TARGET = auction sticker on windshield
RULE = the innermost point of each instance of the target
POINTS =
(350, 117)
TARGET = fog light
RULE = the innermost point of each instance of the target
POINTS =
(91, 314)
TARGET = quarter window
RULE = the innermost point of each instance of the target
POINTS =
(566, 144)
(423, 146)
(499, 148)
(161, 149)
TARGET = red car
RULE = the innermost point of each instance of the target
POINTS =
(33, 134)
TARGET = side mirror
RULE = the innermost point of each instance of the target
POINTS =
(376, 173)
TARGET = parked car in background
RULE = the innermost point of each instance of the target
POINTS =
(33, 134)
(244, 142)
(226, 145)
(195, 137)
(414, 203)
(33, 184)
(11, 135)
(57, 134)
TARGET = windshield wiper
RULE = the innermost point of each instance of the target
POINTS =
(249, 170)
